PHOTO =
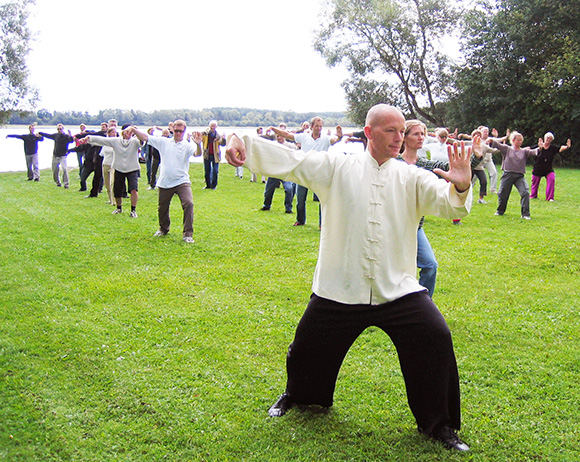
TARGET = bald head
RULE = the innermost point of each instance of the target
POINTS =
(381, 111)
(385, 130)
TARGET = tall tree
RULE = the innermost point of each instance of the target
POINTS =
(522, 67)
(16, 95)
(391, 50)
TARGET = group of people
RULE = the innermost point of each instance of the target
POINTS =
(372, 208)
(115, 161)
(514, 159)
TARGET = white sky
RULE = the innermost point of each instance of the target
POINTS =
(147, 55)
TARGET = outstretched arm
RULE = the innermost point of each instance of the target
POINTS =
(280, 132)
(459, 167)
(566, 146)
(141, 136)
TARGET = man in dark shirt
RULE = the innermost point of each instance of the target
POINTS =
(30, 152)
(61, 142)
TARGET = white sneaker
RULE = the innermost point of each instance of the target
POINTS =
(188, 239)
(526, 217)
(116, 211)
(159, 233)
(133, 214)
(481, 201)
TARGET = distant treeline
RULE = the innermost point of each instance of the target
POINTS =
(228, 117)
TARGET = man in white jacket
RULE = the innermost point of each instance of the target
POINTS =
(366, 270)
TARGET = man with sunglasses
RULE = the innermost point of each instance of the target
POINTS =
(174, 174)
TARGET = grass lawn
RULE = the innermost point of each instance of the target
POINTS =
(118, 346)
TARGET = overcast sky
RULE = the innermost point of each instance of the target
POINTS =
(146, 55)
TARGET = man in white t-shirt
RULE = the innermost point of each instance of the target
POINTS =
(308, 141)
(174, 175)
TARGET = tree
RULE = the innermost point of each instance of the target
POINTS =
(391, 50)
(15, 93)
(522, 68)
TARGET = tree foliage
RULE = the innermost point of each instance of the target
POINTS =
(15, 93)
(229, 117)
(522, 68)
(391, 50)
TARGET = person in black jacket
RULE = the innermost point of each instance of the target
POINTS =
(61, 142)
(30, 152)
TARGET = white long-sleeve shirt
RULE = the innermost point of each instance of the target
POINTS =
(126, 158)
(370, 214)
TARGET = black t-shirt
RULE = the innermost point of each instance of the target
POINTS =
(544, 160)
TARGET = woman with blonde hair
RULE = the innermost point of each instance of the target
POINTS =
(415, 133)
(514, 170)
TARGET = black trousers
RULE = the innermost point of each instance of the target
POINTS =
(97, 177)
(422, 339)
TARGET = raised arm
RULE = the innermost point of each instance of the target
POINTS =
(284, 133)
(141, 136)
(566, 146)
(459, 166)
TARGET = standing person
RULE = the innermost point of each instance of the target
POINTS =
(514, 170)
(366, 270)
(126, 166)
(30, 152)
(108, 153)
(80, 152)
(309, 140)
(174, 175)
(212, 141)
(59, 153)
(488, 159)
(438, 149)
(153, 161)
(415, 134)
(273, 183)
(91, 153)
(543, 166)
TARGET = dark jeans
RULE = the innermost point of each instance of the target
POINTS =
(271, 186)
(482, 177)
(301, 196)
(211, 172)
(422, 339)
(97, 177)
(88, 168)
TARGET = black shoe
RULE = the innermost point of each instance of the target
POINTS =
(449, 438)
(281, 407)
(288, 211)
(265, 209)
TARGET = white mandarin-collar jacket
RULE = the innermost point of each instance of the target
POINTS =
(370, 215)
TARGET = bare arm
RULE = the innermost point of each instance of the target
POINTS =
(566, 146)
(284, 133)
(141, 136)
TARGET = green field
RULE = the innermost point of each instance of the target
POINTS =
(118, 346)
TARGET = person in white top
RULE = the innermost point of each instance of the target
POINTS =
(126, 166)
(366, 270)
(311, 139)
(174, 174)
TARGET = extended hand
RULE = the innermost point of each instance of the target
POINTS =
(235, 151)
(197, 137)
(459, 167)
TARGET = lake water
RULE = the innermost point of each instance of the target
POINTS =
(12, 150)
